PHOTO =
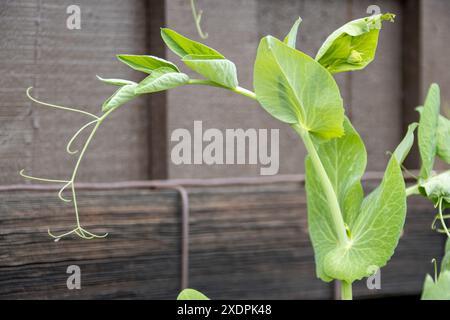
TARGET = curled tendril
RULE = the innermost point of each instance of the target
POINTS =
(60, 196)
(78, 230)
(58, 107)
(198, 18)
(441, 217)
(69, 144)
(435, 269)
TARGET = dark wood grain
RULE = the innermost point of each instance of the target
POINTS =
(246, 242)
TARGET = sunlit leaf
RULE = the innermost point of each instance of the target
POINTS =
(291, 37)
(295, 89)
(427, 133)
(161, 79)
(145, 63)
(191, 294)
(352, 46)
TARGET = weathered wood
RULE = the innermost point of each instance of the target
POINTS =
(39, 50)
(245, 242)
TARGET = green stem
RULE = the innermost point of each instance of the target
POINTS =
(327, 186)
(198, 19)
(346, 291)
(413, 190)
(242, 91)
(80, 157)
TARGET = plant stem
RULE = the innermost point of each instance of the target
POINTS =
(327, 186)
(413, 190)
(242, 91)
(346, 291)
(80, 157)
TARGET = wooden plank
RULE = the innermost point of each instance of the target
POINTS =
(245, 242)
(411, 71)
(61, 64)
(158, 145)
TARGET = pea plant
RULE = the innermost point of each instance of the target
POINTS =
(351, 233)
(434, 141)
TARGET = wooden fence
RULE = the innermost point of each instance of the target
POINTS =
(245, 241)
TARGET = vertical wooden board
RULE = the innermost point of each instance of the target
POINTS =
(61, 64)
(435, 41)
(18, 29)
(376, 90)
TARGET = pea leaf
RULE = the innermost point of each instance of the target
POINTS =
(295, 89)
(437, 187)
(352, 46)
(202, 59)
(291, 37)
(344, 160)
(427, 133)
(121, 96)
(445, 263)
(145, 63)
(183, 46)
(439, 290)
(443, 139)
(405, 146)
(191, 294)
(115, 82)
(375, 231)
(220, 71)
(161, 79)
(374, 224)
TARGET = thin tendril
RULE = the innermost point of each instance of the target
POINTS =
(62, 190)
(78, 230)
(58, 107)
(198, 18)
(41, 179)
(69, 144)
(409, 172)
(441, 216)
(435, 269)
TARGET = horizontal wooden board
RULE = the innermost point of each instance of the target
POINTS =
(245, 242)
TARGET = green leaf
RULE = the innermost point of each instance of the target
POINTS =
(145, 63)
(352, 46)
(202, 59)
(344, 160)
(161, 79)
(437, 187)
(191, 294)
(116, 82)
(427, 132)
(220, 71)
(443, 139)
(183, 46)
(439, 290)
(445, 263)
(374, 224)
(295, 89)
(121, 96)
(405, 146)
(291, 37)
(375, 231)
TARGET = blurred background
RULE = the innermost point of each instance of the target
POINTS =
(247, 240)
